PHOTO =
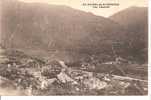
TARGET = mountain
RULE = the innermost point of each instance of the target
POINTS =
(39, 26)
(35, 25)
(135, 21)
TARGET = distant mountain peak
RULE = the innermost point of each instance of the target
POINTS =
(32, 26)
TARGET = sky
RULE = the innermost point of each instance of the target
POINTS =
(77, 4)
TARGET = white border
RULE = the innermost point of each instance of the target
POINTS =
(149, 50)
(76, 98)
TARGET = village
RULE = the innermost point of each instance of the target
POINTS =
(35, 76)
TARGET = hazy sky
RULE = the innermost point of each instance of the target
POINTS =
(98, 11)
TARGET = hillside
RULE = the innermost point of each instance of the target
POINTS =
(135, 21)
(36, 25)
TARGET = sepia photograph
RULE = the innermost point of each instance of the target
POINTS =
(74, 48)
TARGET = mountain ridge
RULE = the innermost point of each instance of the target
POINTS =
(43, 26)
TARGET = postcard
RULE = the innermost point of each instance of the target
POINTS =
(73, 47)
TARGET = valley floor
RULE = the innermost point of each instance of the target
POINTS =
(21, 74)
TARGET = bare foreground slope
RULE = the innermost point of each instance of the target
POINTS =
(56, 50)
